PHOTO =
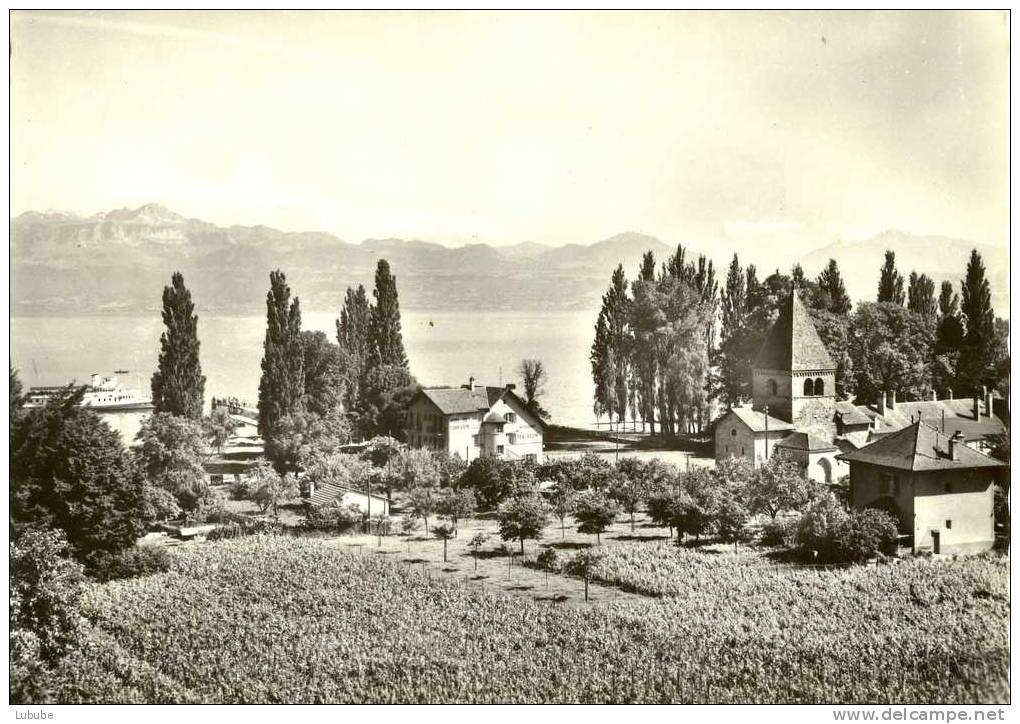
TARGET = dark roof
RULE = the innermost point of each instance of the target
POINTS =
(919, 447)
(805, 441)
(849, 413)
(959, 416)
(460, 400)
(793, 342)
(756, 420)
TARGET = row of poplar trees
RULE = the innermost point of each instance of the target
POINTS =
(364, 375)
(672, 342)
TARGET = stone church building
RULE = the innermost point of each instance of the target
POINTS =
(794, 407)
(793, 403)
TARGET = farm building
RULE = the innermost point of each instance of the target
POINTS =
(939, 489)
(475, 421)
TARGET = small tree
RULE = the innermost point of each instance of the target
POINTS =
(629, 494)
(522, 518)
(596, 513)
(444, 531)
(563, 500)
(533, 375)
(584, 564)
(218, 427)
(269, 487)
(421, 503)
(779, 485)
(171, 455)
(730, 519)
(456, 504)
(476, 542)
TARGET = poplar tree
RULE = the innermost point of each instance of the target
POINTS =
(352, 331)
(386, 343)
(921, 295)
(832, 291)
(979, 340)
(282, 383)
(178, 386)
(950, 329)
(890, 283)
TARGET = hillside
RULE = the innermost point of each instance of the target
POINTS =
(118, 261)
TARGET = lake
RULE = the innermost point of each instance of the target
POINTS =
(455, 346)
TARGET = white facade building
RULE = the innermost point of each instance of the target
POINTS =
(475, 421)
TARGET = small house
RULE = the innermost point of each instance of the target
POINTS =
(939, 489)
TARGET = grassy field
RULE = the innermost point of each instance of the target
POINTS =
(301, 620)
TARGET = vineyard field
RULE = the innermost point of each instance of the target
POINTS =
(287, 620)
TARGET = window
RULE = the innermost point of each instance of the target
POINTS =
(499, 449)
(819, 387)
(772, 387)
(532, 457)
(511, 438)
(499, 428)
(949, 524)
(896, 484)
(474, 439)
(809, 387)
(510, 417)
(733, 432)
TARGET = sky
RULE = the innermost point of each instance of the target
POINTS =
(725, 130)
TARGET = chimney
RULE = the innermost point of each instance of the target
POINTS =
(977, 407)
(954, 445)
(471, 383)
(881, 403)
(892, 400)
(510, 387)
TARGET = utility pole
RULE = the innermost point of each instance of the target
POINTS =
(766, 432)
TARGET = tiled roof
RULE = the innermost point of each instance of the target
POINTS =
(959, 416)
(756, 420)
(793, 342)
(805, 441)
(460, 400)
(850, 414)
(919, 447)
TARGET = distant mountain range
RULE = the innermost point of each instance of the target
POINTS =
(119, 261)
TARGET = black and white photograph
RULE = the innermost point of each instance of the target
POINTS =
(509, 357)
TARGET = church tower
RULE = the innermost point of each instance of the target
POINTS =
(793, 374)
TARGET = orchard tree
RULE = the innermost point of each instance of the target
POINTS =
(779, 485)
(522, 518)
(454, 504)
(178, 386)
(444, 531)
(422, 503)
(562, 500)
(595, 512)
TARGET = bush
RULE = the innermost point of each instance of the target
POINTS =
(781, 532)
(132, 563)
(240, 526)
(833, 535)
(332, 518)
(549, 560)
(45, 623)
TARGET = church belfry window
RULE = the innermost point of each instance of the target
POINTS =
(809, 387)
(819, 386)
